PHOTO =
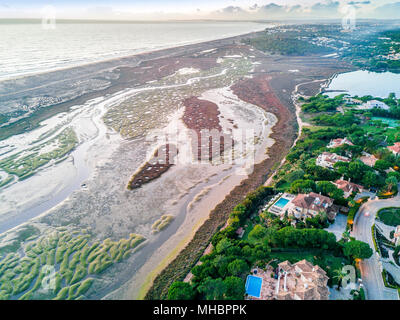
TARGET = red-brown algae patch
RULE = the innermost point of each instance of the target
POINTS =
(202, 117)
(161, 161)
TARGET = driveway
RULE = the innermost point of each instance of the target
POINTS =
(338, 226)
(371, 268)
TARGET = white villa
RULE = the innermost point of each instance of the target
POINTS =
(373, 104)
(327, 159)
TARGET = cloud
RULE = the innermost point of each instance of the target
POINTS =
(388, 11)
(323, 9)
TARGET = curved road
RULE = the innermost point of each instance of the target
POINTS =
(371, 268)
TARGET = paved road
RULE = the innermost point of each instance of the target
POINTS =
(371, 268)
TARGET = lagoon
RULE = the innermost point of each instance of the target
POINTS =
(362, 83)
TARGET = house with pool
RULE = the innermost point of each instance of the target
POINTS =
(298, 281)
(304, 206)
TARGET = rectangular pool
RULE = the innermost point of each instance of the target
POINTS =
(253, 286)
(281, 202)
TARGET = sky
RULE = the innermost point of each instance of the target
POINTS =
(188, 9)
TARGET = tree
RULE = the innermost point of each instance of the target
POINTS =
(234, 288)
(258, 232)
(237, 267)
(390, 183)
(181, 291)
(369, 179)
(212, 289)
(302, 186)
(339, 276)
(356, 249)
(223, 245)
(382, 165)
(329, 189)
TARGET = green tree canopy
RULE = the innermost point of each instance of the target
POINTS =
(181, 291)
(237, 267)
(357, 249)
(235, 289)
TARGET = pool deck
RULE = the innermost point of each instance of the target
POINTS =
(268, 285)
(281, 210)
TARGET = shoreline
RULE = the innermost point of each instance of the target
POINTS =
(121, 67)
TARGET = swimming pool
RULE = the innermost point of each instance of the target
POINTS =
(253, 286)
(281, 202)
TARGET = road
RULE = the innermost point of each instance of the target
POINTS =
(371, 268)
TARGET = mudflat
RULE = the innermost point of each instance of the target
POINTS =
(145, 103)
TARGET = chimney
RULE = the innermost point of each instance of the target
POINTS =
(284, 283)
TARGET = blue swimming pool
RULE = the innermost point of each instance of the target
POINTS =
(281, 202)
(253, 286)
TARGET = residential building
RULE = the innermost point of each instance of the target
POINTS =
(299, 281)
(352, 101)
(334, 143)
(368, 159)
(376, 104)
(309, 205)
(348, 187)
(395, 148)
(327, 159)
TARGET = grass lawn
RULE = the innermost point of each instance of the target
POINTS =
(249, 224)
(391, 133)
(389, 216)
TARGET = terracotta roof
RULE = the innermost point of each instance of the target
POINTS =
(333, 157)
(369, 160)
(304, 281)
(339, 142)
(348, 186)
(395, 148)
(312, 201)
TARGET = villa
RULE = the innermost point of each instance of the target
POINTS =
(327, 160)
(304, 206)
(299, 281)
(309, 205)
(348, 187)
(395, 148)
(374, 104)
(352, 101)
(368, 159)
(334, 143)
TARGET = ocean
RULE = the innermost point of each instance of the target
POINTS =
(28, 48)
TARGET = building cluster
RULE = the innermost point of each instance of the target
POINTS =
(298, 281)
